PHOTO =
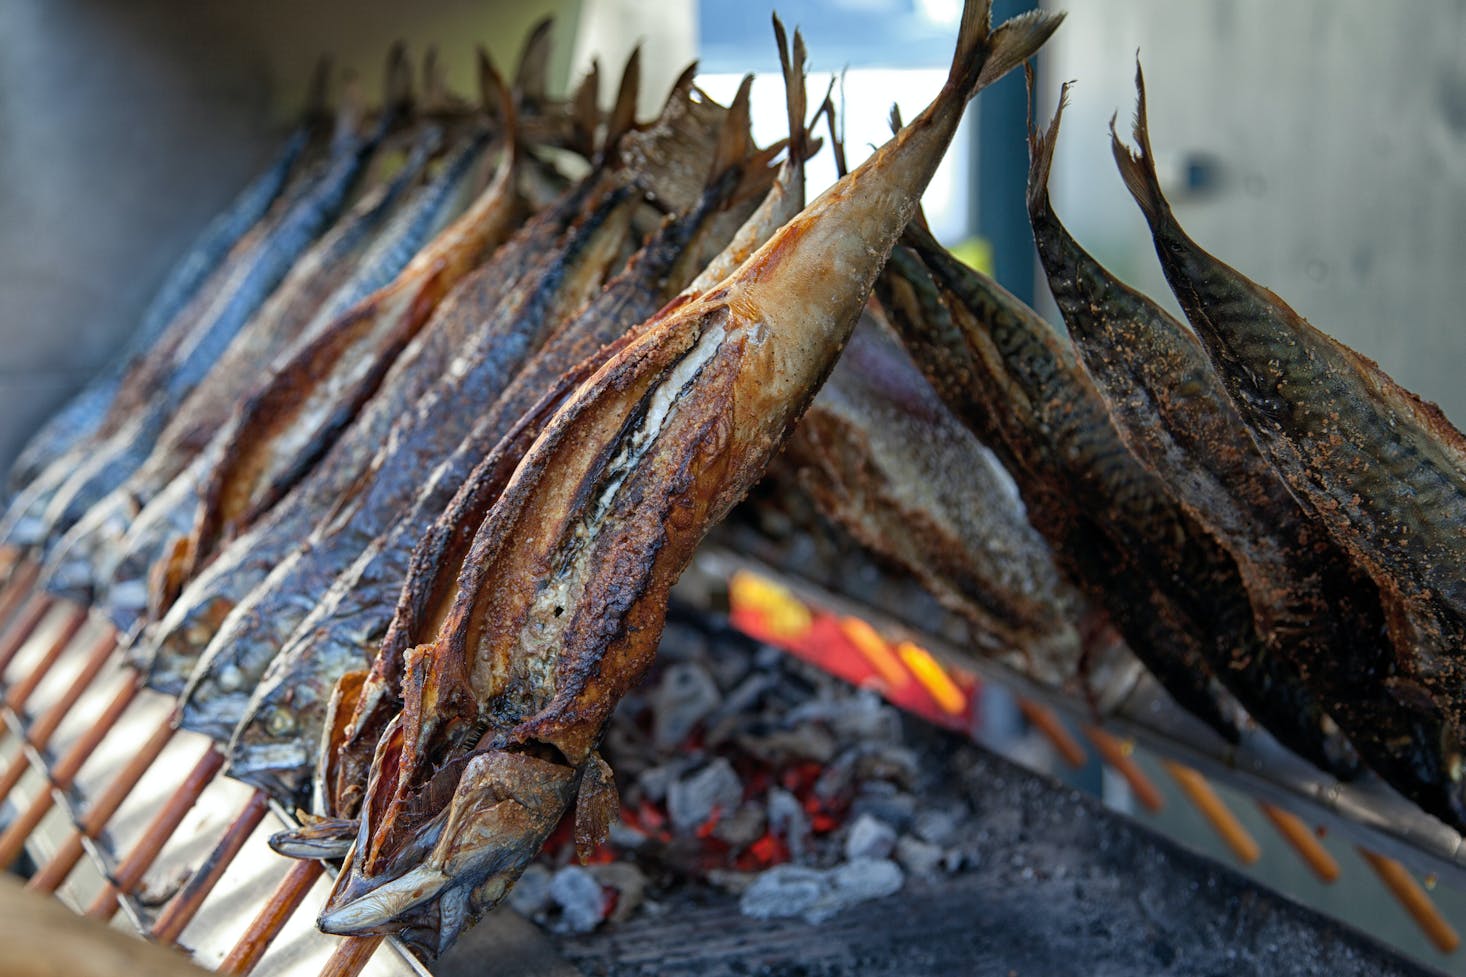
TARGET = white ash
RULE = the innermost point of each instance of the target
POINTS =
(818, 894)
(683, 699)
(692, 800)
(531, 894)
(580, 899)
(869, 837)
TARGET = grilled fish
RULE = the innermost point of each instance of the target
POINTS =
(1171, 412)
(503, 711)
(1383, 471)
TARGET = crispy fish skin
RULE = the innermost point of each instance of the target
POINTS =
(1171, 412)
(430, 585)
(275, 743)
(80, 559)
(1384, 471)
(881, 456)
(124, 563)
(1009, 377)
(218, 691)
(508, 704)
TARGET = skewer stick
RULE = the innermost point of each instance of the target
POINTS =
(273, 916)
(20, 693)
(1116, 755)
(351, 956)
(1043, 719)
(23, 627)
(54, 872)
(181, 909)
(1415, 900)
(40, 733)
(17, 588)
(65, 771)
(156, 835)
(1216, 812)
(1304, 842)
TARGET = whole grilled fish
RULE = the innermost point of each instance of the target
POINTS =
(1171, 412)
(290, 316)
(566, 588)
(105, 469)
(275, 744)
(83, 414)
(432, 575)
(1383, 471)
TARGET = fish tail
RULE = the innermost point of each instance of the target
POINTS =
(497, 97)
(586, 114)
(623, 113)
(792, 62)
(984, 55)
(531, 78)
(735, 144)
(1041, 148)
(1137, 166)
(398, 96)
(837, 131)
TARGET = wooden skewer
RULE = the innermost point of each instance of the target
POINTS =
(1304, 842)
(17, 588)
(20, 693)
(181, 909)
(23, 627)
(156, 835)
(1216, 812)
(1043, 719)
(351, 956)
(1117, 756)
(273, 916)
(40, 733)
(1415, 900)
(54, 872)
(62, 775)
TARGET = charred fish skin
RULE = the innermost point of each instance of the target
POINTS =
(84, 556)
(353, 615)
(1384, 471)
(167, 514)
(949, 342)
(1171, 412)
(620, 486)
(218, 691)
(307, 219)
(83, 414)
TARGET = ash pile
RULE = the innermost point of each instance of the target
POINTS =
(745, 771)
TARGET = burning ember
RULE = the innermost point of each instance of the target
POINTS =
(745, 770)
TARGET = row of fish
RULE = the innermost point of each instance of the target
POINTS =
(393, 481)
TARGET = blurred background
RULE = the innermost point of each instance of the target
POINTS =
(1318, 145)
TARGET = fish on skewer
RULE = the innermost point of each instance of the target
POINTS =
(1045, 438)
(1319, 610)
(333, 273)
(452, 345)
(431, 580)
(275, 743)
(317, 208)
(504, 710)
(83, 414)
(1383, 470)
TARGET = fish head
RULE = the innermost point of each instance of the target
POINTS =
(320, 838)
(502, 809)
(274, 744)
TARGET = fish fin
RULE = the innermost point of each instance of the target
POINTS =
(398, 96)
(586, 112)
(793, 64)
(623, 113)
(837, 137)
(531, 78)
(984, 55)
(1041, 146)
(597, 805)
(735, 143)
(1137, 166)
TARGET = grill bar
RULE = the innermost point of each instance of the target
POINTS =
(182, 908)
(272, 917)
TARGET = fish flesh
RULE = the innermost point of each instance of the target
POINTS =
(503, 711)
(1171, 412)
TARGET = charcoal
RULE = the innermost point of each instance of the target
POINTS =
(785, 890)
(869, 837)
(744, 827)
(919, 858)
(937, 825)
(531, 894)
(683, 699)
(788, 820)
(629, 883)
(654, 783)
(805, 742)
(860, 880)
(885, 801)
(580, 898)
(691, 800)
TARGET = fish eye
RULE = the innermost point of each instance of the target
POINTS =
(280, 722)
